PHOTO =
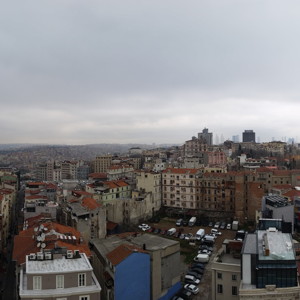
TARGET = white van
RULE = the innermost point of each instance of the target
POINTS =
(208, 237)
(204, 258)
(192, 221)
(200, 234)
(171, 231)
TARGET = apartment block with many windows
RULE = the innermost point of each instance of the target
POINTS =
(179, 186)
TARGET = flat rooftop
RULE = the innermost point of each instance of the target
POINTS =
(280, 245)
(153, 242)
(229, 259)
(58, 265)
(250, 244)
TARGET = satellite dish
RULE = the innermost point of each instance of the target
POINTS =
(42, 238)
(43, 235)
(38, 245)
(42, 227)
(36, 229)
(45, 228)
(43, 245)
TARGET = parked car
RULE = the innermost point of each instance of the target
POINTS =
(208, 243)
(185, 222)
(209, 248)
(157, 230)
(198, 270)
(179, 222)
(176, 234)
(192, 288)
(191, 279)
(223, 225)
(182, 236)
(163, 232)
(216, 232)
(198, 265)
(228, 226)
(188, 236)
(211, 224)
(177, 298)
(144, 227)
(195, 274)
(185, 294)
(217, 225)
(205, 251)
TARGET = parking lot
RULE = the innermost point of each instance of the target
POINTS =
(205, 284)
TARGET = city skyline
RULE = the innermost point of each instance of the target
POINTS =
(148, 72)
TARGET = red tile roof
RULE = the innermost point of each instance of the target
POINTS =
(90, 203)
(115, 184)
(26, 243)
(292, 193)
(122, 252)
(98, 175)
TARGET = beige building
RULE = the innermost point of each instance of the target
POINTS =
(179, 186)
(226, 271)
(150, 182)
(102, 163)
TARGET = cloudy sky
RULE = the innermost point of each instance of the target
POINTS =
(82, 72)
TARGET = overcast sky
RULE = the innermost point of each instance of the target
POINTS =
(85, 72)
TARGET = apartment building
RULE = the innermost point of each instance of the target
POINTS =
(120, 171)
(179, 187)
(58, 274)
(5, 219)
(86, 214)
(278, 207)
(222, 195)
(102, 163)
(150, 182)
(206, 136)
(194, 147)
(226, 271)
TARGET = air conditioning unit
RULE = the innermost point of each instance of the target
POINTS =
(40, 255)
(48, 255)
(69, 254)
(76, 253)
(32, 256)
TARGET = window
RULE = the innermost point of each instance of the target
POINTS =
(234, 277)
(84, 297)
(219, 275)
(234, 291)
(37, 282)
(59, 281)
(81, 279)
(220, 288)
